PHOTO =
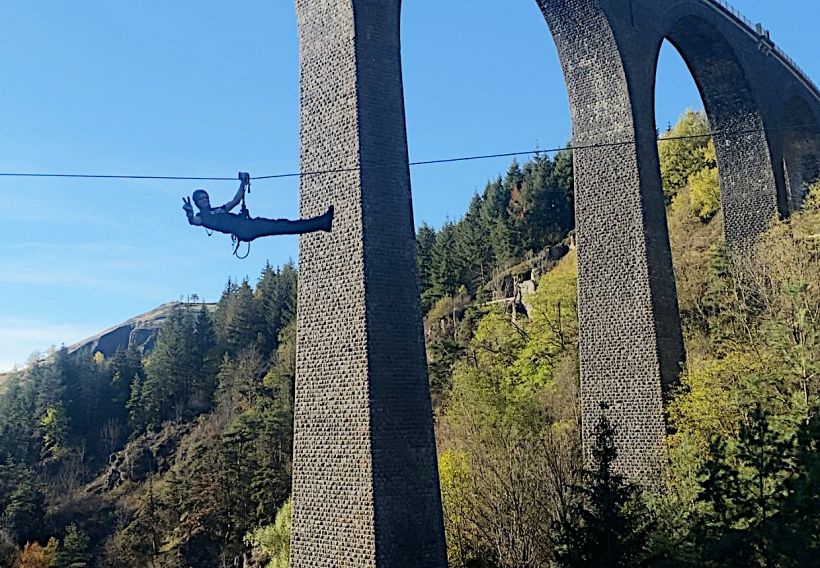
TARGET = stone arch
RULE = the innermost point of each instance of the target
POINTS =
(749, 187)
(631, 346)
(365, 487)
(800, 135)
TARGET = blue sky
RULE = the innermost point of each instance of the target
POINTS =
(206, 88)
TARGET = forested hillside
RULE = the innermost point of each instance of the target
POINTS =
(181, 456)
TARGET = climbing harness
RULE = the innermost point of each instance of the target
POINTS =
(242, 227)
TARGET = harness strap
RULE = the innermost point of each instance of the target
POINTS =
(237, 242)
(244, 211)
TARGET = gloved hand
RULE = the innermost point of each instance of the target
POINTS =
(245, 178)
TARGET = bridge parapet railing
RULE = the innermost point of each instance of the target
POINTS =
(755, 30)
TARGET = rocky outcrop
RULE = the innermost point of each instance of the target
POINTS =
(140, 331)
(153, 452)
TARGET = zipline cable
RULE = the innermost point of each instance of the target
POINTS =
(595, 146)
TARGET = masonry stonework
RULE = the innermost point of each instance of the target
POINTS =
(365, 481)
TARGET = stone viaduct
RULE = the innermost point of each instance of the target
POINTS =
(365, 488)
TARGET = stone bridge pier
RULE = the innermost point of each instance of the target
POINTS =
(365, 488)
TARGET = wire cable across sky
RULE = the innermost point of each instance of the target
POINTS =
(570, 147)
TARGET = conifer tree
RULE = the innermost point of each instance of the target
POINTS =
(473, 248)
(610, 525)
(172, 371)
(425, 241)
(125, 368)
(26, 510)
(495, 218)
(240, 320)
(276, 299)
(74, 548)
(444, 270)
(745, 491)
(205, 360)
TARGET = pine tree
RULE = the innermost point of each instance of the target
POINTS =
(514, 219)
(543, 205)
(276, 300)
(205, 360)
(745, 492)
(495, 218)
(172, 371)
(19, 422)
(26, 510)
(473, 248)
(799, 510)
(74, 550)
(240, 382)
(125, 368)
(444, 270)
(610, 525)
(240, 320)
(425, 241)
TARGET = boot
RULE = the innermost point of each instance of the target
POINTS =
(325, 222)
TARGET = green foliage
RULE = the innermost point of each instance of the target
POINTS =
(444, 271)
(273, 541)
(55, 429)
(275, 298)
(744, 473)
(26, 510)
(474, 252)
(541, 204)
(683, 157)
(448, 331)
(529, 209)
(177, 384)
(744, 493)
(743, 455)
(425, 241)
(510, 417)
(609, 524)
(239, 321)
(74, 548)
(704, 186)
(226, 373)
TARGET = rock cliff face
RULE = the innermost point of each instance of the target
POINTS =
(140, 331)
(152, 452)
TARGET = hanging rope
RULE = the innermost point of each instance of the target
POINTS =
(237, 242)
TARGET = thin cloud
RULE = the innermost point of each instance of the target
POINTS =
(25, 209)
(108, 267)
(21, 337)
(62, 249)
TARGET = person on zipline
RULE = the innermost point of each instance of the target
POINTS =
(244, 227)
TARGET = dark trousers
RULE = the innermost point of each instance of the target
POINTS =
(247, 229)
